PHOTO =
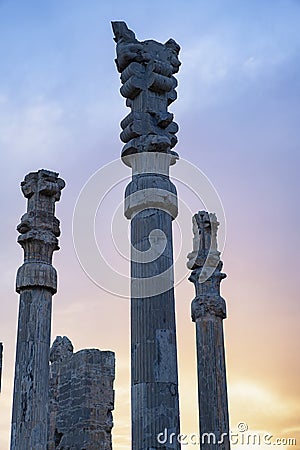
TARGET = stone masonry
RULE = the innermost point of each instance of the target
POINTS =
(208, 312)
(81, 397)
(149, 133)
(36, 283)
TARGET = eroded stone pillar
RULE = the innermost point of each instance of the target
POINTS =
(36, 283)
(208, 312)
(149, 134)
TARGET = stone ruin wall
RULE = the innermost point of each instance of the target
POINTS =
(81, 398)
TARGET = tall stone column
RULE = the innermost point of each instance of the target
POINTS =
(208, 312)
(36, 283)
(147, 70)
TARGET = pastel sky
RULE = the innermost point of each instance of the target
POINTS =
(238, 111)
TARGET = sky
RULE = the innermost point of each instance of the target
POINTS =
(238, 112)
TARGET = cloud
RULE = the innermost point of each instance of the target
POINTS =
(260, 407)
(229, 60)
(35, 128)
(209, 59)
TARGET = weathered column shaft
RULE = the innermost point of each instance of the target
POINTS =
(153, 340)
(208, 312)
(147, 70)
(212, 389)
(154, 380)
(36, 283)
(32, 362)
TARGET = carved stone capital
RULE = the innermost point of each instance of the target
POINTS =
(210, 305)
(129, 49)
(44, 182)
(38, 245)
(206, 267)
(148, 84)
(36, 275)
(207, 280)
(39, 229)
(205, 227)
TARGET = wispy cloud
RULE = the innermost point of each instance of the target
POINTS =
(225, 62)
(261, 406)
(34, 128)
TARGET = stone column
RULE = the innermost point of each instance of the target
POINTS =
(147, 70)
(36, 283)
(208, 312)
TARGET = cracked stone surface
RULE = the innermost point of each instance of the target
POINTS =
(208, 311)
(81, 397)
(36, 283)
(147, 71)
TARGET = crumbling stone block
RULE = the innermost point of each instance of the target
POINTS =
(81, 397)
